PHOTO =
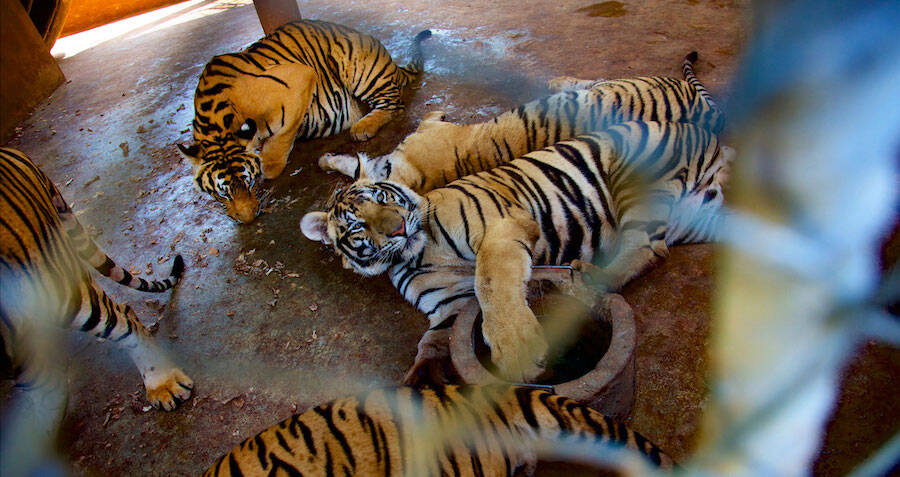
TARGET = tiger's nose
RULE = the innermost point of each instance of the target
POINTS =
(391, 223)
(245, 214)
(400, 230)
(244, 208)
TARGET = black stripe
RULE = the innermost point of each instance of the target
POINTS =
(336, 433)
(233, 468)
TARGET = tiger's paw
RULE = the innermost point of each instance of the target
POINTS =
(167, 389)
(593, 276)
(431, 372)
(342, 163)
(368, 126)
(521, 354)
(365, 129)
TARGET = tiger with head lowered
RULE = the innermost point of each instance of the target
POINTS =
(306, 79)
(623, 194)
(439, 152)
(472, 430)
(46, 285)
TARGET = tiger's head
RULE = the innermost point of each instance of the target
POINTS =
(231, 175)
(372, 225)
(223, 150)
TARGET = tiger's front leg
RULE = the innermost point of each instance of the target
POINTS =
(277, 102)
(275, 152)
(346, 164)
(166, 384)
(502, 269)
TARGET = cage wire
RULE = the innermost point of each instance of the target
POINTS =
(814, 116)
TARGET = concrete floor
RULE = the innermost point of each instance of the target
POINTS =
(268, 323)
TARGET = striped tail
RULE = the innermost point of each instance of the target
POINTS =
(576, 419)
(687, 69)
(417, 60)
(88, 251)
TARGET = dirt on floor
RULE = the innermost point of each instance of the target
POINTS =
(268, 323)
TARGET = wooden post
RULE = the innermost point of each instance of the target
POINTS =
(30, 74)
(274, 13)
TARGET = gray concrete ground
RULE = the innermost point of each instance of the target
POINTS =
(268, 323)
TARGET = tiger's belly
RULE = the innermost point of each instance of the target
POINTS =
(329, 113)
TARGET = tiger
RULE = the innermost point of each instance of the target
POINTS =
(439, 152)
(43, 252)
(486, 430)
(306, 79)
(623, 194)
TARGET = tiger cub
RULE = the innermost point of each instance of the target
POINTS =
(625, 193)
(476, 430)
(439, 152)
(43, 252)
(306, 79)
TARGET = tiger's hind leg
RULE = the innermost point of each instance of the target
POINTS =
(641, 244)
(368, 126)
(386, 104)
(166, 384)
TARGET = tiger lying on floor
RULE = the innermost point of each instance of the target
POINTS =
(306, 79)
(439, 152)
(477, 430)
(43, 250)
(626, 192)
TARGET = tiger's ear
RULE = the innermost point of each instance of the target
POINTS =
(191, 153)
(315, 226)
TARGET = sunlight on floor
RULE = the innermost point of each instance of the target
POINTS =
(141, 24)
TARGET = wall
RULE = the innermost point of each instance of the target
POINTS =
(30, 74)
(87, 14)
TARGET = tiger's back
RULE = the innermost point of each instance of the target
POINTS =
(33, 244)
(439, 152)
(343, 60)
(476, 430)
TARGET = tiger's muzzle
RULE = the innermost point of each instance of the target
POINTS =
(244, 205)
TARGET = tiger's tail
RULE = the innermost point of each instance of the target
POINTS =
(417, 60)
(687, 69)
(88, 251)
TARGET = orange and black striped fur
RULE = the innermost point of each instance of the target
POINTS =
(306, 79)
(43, 253)
(454, 431)
(618, 197)
(439, 152)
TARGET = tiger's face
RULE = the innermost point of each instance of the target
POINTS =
(233, 180)
(372, 225)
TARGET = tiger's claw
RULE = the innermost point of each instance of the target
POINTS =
(168, 389)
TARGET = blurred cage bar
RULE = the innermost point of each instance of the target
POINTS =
(815, 118)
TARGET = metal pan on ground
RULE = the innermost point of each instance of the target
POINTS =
(592, 342)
